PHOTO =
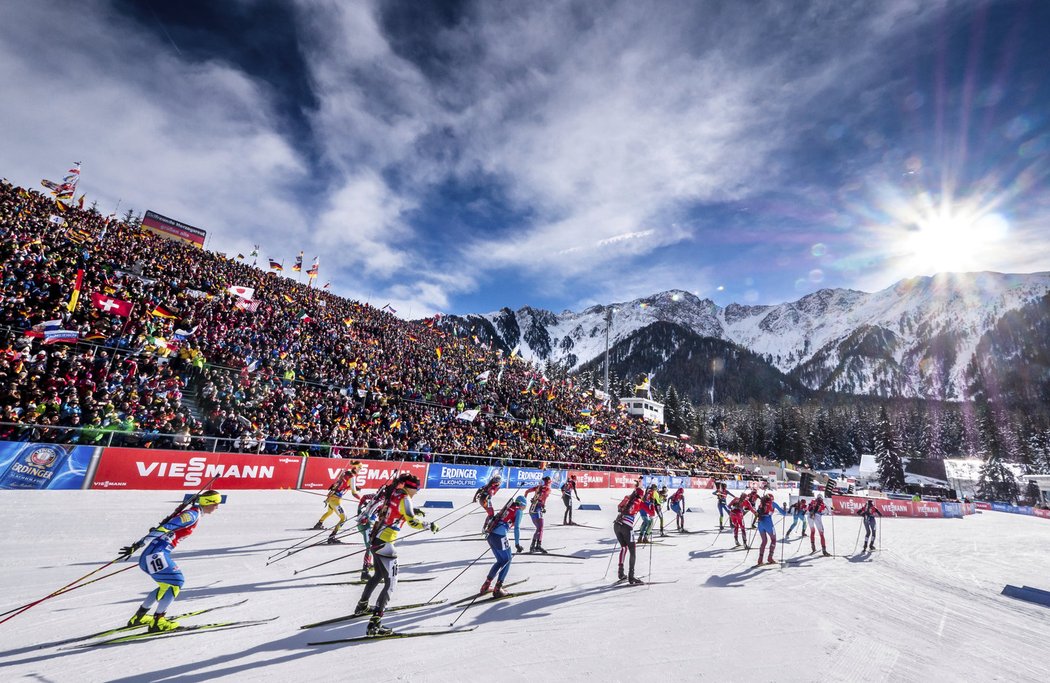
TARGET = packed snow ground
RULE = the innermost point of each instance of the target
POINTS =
(925, 607)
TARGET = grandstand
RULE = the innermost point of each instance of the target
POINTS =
(157, 351)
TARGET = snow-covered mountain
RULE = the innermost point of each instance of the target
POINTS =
(914, 339)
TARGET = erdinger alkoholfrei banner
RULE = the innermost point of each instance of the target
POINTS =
(173, 230)
(442, 475)
(371, 474)
(142, 468)
(44, 465)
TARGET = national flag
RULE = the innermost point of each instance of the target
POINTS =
(75, 296)
(305, 318)
(50, 184)
(111, 305)
(388, 307)
(274, 265)
(298, 263)
(79, 236)
(312, 273)
(515, 351)
(288, 299)
(56, 219)
(162, 312)
(94, 336)
(483, 377)
(327, 285)
(159, 342)
(60, 205)
(395, 424)
(495, 442)
(468, 415)
(249, 305)
(240, 257)
(528, 387)
(438, 352)
(80, 203)
(412, 339)
(348, 321)
(255, 251)
(60, 336)
(39, 329)
(241, 291)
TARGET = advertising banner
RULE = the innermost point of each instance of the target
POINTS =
(1045, 514)
(139, 468)
(588, 479)
(701, 482)
(889, 508)
(658, 479)
(319, 473)
(952, 509)
(523, 477)
(927, 509)
(43, 465)
(983, 506)
(442, 475)
(623, 480)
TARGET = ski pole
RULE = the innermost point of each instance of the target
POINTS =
(298, 543)
(832, 526)
(472, 563)
(11, 614)
(857, 542)
(783, 524)
(79, 585)
(615, 550)
(358, 552)
(649, 587)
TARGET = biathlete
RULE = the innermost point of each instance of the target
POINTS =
(334, 500)
(677, 505)
(721, 492)
(798, 514)
(568, 490)
(497, 538)
(766, 527)
(484, 495)
(869, 511)
(623, 527)
(156, 561)
(816, 510)
(737, 508)
(366, 517)
(651, 502)
(537, 507)
(396, 511)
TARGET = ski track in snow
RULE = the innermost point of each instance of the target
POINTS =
(926, 607)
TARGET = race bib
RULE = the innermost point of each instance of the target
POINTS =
(157, 562)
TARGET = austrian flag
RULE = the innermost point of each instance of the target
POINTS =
(111, 305)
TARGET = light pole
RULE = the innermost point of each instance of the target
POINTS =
(608, 325)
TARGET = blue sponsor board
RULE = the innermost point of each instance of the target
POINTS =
(525, 477)
(1000, 507)
(952, 509)
(442, 475)
(43, 465)
(659, 479)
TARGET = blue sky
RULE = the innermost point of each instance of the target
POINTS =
(464, 156)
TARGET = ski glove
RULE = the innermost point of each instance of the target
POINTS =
(127, 551)
(421, 513)
(433, 527)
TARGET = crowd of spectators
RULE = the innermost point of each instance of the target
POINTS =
(305, 371)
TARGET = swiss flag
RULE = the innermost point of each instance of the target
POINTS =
(111, 305)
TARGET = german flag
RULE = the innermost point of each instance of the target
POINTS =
(274, 265)
(162, 312)
(75, 296)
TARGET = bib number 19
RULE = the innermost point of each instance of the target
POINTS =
(156, 563)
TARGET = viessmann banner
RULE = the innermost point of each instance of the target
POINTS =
(371, 474)
(137, 468)
(901, 508)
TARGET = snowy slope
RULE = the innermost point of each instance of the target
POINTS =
(913, 339)
(926, 608)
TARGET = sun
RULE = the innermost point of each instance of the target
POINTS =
(954, 239)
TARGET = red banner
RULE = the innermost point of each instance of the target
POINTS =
(701, 483)
(924, 509)
(623, 480)
(371, 474)
(140, 468)
(1045, 514)
(589, 479)
(983, 506)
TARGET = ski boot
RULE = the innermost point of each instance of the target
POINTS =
(540, 549)
(361, 608)
(634, 581)
(141, 618)
(518, 549)
(872, 545)
(317, 527)
(365, 575)
(332, 540)
(770, 559)
(485, 587)
(620, 573)
(825, 552)
(376, 628)
(498, 591)
(162, 623)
